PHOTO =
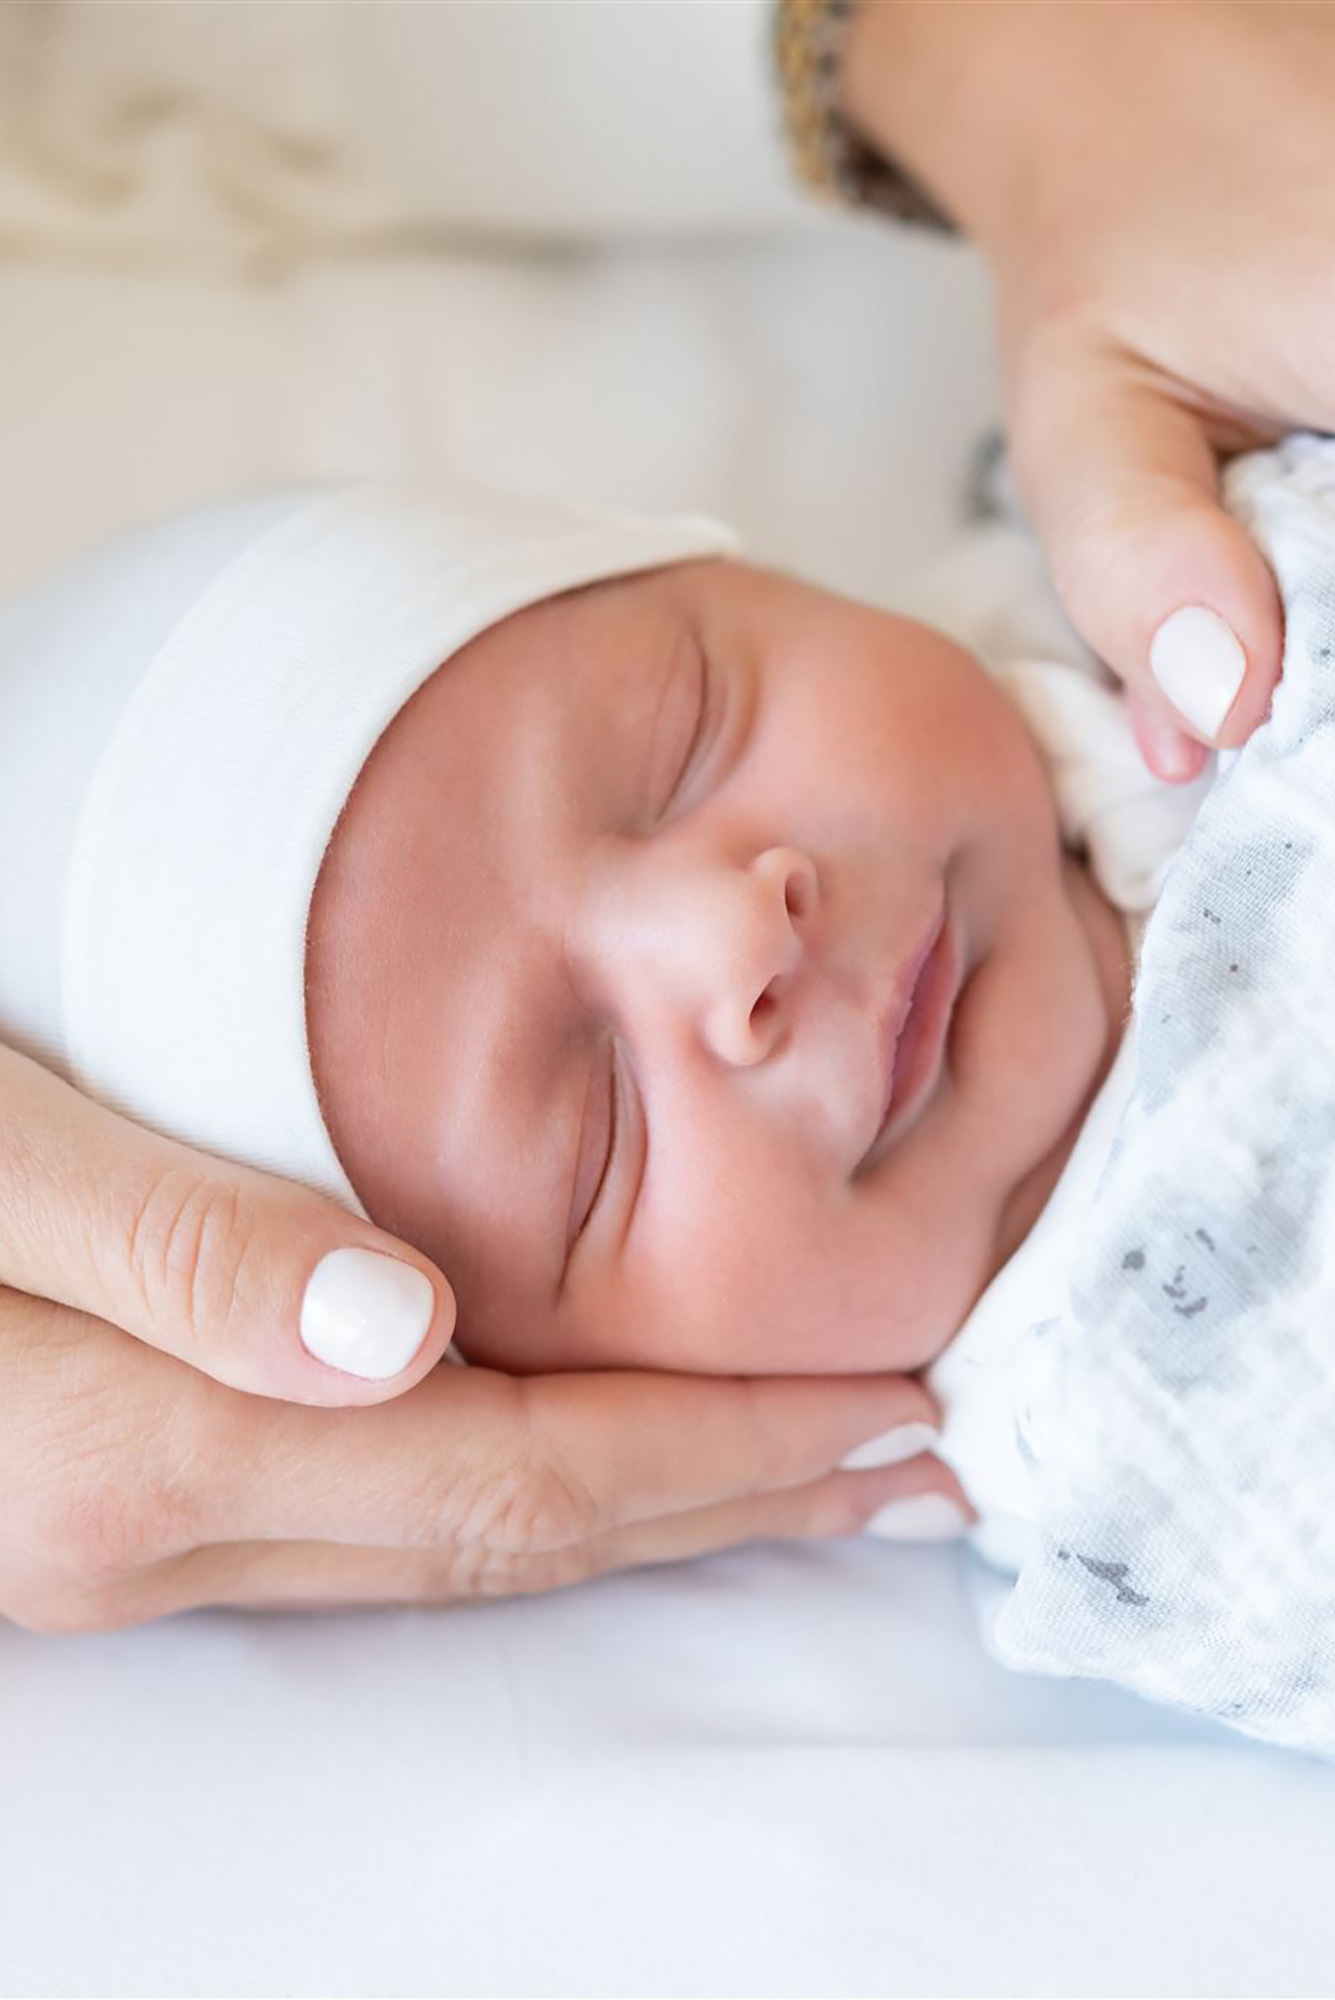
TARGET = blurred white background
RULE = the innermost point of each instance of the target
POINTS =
(552, 244)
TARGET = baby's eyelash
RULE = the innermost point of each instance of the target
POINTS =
(604, 1175)
(697, 733)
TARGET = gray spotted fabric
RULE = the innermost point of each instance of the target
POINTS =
(1179, 1418)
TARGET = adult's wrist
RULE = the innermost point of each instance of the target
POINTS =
(1023, 120)
(930, 87)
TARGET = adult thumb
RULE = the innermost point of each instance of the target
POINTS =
(252, 1280)
(1168, 589)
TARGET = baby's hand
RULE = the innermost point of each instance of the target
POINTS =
(149, 1328)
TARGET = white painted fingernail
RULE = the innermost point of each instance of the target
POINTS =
(891, 1448)
(366, 1313)
(924, 1517)
(1199, 663)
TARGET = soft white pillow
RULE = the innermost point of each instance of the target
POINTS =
(622, 118)
(269, 130)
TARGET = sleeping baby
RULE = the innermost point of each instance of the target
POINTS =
(707, 972)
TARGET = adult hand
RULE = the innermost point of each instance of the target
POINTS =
(151, 1306)
(1154, 188)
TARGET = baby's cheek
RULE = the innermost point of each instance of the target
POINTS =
(746, 1283)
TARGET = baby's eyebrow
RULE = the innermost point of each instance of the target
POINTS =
(667, 681)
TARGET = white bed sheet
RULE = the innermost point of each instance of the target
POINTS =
(780, 1771)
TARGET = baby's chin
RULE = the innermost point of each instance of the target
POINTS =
(1109, 956)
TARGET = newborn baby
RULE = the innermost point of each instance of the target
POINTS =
(697, 975)
(710, 973)
(690, 961)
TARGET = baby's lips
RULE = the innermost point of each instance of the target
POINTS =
(891, 1448)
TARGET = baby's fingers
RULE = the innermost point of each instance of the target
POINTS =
(252, 1280)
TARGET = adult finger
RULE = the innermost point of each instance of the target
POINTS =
(253, 1280)
(489, 1463)
(1119, 473)
(916, 1501)
(1167, 751)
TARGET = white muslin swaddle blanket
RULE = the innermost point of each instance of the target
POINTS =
(1174, 1422)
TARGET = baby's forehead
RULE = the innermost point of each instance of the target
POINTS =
(630, 600)
(598, 655)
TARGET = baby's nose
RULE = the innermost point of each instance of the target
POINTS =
(753, 962)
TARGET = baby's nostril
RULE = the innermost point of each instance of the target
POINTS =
(763, 1008)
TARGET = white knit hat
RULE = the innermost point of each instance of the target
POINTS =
(182, 717)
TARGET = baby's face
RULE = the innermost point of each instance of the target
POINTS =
(609, 962)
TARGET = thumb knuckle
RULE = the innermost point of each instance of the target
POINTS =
(187, 1248)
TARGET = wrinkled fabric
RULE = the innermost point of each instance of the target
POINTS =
(1178, 1416)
